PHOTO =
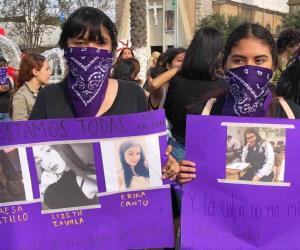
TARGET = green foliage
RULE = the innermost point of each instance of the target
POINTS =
(220, 22)
(292, 20)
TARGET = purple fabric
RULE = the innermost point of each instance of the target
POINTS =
(249, 94)
(3, 76)
(89, 70)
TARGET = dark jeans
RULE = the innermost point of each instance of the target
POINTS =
(248, 176)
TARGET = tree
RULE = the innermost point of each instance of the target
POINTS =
(138, 33)
(31, 19)
(69, 6)
(138, 23)
(220, 22)
(100, 4)
(292, 20)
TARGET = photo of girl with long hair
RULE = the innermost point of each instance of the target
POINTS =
(135, 172)
(66, 180)
(11, 180)
(134, 164)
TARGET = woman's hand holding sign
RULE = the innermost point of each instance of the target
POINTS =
(187, 172)
(171, 168)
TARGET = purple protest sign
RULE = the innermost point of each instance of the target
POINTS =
(246, 194)
(85, 187)
(92, 128)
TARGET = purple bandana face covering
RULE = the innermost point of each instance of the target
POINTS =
(249, 94)
(89, 70)
(3, 76)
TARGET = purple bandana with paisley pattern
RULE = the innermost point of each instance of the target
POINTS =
(249, 94)
(89, 70)
(4, 76)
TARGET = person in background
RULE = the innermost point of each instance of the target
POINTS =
(34, 72)
(128, 70)
(173, 60)
(153, 59)
(155, 71)
(6, 89)
(234, 147)
(287, 44)
(288, 85)
(196, 80)
(125, 53)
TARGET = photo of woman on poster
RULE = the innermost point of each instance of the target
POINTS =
(260, 154)
(66, 181)
(11, 184)
(135, 172)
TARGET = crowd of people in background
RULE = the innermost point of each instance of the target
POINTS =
(192, 81)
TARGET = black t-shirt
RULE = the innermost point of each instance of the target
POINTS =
(183, 93)
(188, 96)
(66, 193)
(5, 98)
(54, 101)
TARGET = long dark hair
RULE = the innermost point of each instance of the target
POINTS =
(3, 62)
(287, 38)
(252, 131)
(126, 69)
(288, 85)
(140, 168)
(203, 56)
(73, 160)
(119, 59)
(87, 19)
(248, 30)
(164, 60)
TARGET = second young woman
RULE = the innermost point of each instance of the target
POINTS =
(196, 79)
(34, 72)
(250, 57)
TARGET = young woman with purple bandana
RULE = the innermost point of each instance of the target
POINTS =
(89, 39)
(249, 59)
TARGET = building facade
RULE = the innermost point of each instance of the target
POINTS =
(171, 23)
(269, 18)
(294, 6)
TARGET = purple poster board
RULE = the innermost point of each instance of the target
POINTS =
(66, 185)
(246, 194)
